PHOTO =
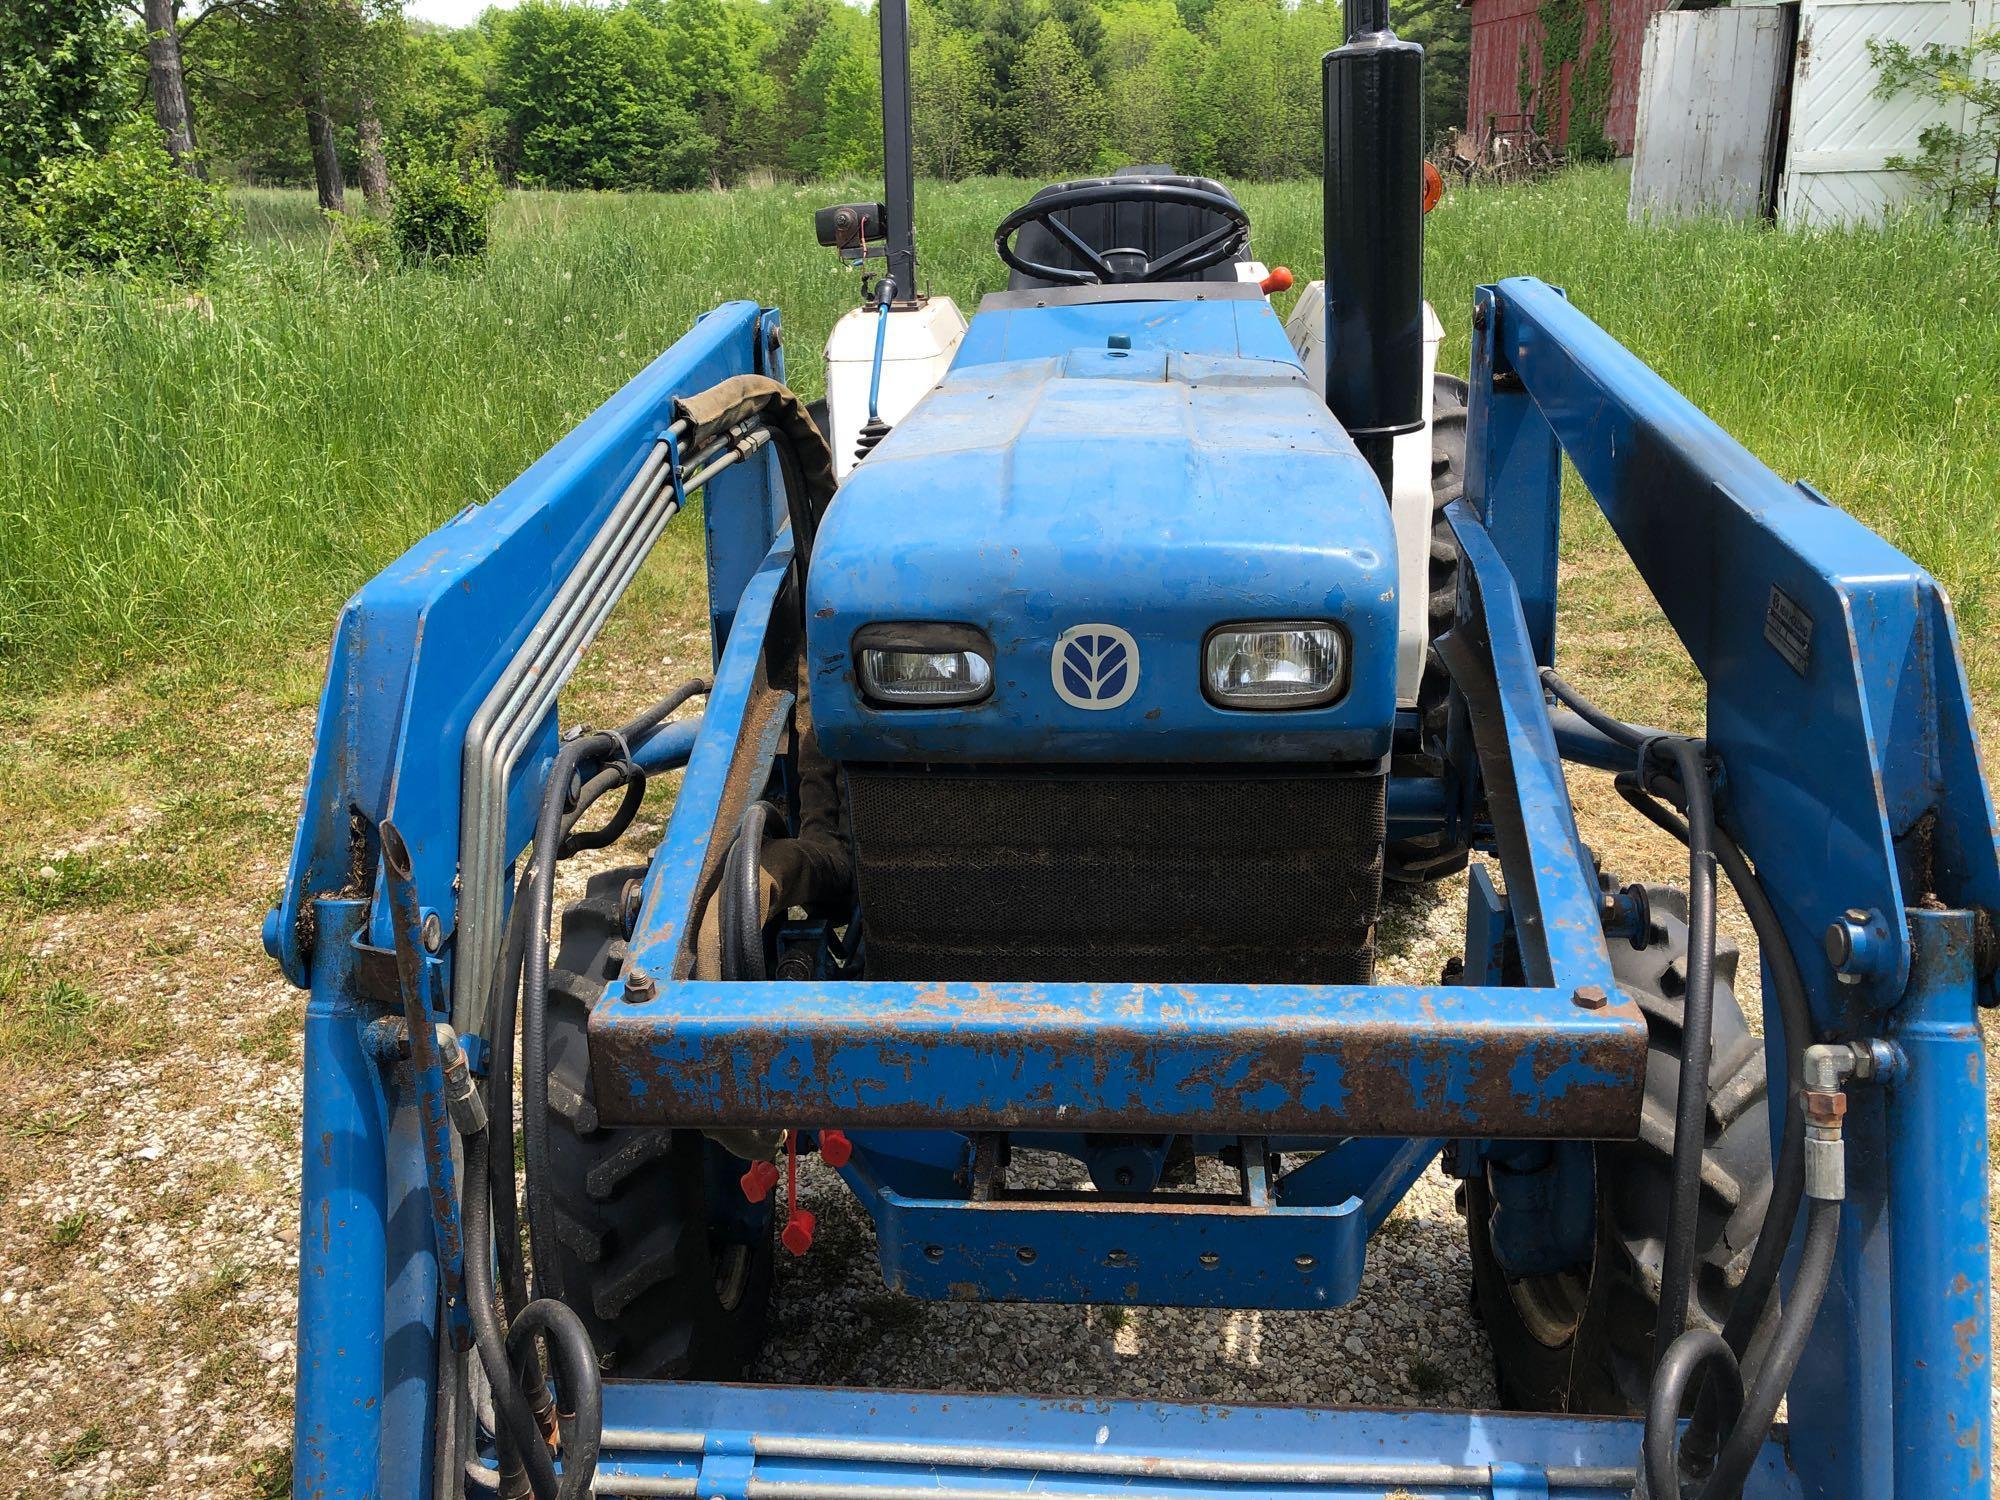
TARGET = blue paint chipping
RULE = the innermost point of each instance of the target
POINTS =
(1094, 488)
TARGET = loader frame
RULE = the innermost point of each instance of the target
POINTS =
(1837, 708)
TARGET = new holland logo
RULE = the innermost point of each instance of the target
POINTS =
(1095, 666)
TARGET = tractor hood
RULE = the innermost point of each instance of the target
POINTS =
(1127, 502)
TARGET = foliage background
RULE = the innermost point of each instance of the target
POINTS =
(666, 94)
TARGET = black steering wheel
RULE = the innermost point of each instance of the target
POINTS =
(1125, 265)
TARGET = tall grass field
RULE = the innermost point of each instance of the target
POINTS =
(198, 479)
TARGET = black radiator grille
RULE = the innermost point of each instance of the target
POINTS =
(1143, 874)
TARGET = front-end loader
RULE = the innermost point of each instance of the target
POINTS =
(1070, 714)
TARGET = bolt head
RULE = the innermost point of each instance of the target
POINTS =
(1590, 997)
(433, 933)
(1857, 916)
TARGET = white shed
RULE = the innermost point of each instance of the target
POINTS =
(1725, 126)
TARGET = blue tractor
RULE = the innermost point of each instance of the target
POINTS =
(1070, 715)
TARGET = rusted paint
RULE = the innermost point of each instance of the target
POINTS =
(1335, 1060)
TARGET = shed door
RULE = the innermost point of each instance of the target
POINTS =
(1708, 101)
(1841, 133)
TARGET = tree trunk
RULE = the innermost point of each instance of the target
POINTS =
(374, 159)
(169, 84)
(325, 154)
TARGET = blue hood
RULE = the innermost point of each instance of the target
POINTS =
(1156, 494)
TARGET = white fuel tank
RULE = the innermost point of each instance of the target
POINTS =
(1411, 501)
(918, 349)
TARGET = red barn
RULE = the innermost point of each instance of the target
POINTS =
(1513, 43)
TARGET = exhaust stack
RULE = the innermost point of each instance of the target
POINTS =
(1373, 195)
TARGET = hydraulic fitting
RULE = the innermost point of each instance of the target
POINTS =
(462, 1099)
(1828, 1066)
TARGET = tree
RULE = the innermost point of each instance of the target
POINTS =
(839, 82)
(1252, 89)
(1444, 28)
(166, 83)
(589, 106)
(1058, 111)
(1956, 165)
(259, 67)
(950, 101)
(56, 92)
(1151, 62)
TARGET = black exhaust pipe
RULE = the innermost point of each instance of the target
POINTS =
(1373, 189)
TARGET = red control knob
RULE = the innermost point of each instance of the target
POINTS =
(759, 1180)
(835, 1148)
(798, 1233)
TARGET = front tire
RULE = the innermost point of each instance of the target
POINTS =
(1581, 1340)
(668, 1268)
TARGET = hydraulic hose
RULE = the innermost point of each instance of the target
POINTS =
(535, 960)
(519, 1435)
(563, 1333)
(1611, 728)
(1723, 1399)
(1698, 1008)
(1788, 1175)
(1685, 1358)
(503, 1009)
(742, 897)
(1767, 1389)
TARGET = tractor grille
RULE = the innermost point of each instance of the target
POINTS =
(1140, 874)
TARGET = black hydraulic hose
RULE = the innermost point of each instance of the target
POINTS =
(516, 1430)
(621, 773)
(1767, 1387)
(1722, 1399)
(1687, 1356)
(1677, 1269)
(577, 1376)
(1788, 1175)
(1611, 728)
(742, 897)
(534, 1005)
(503, 1009)
(638, 728)
(540, 898)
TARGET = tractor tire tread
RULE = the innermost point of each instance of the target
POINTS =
(632, 1204)
(1606, 1365)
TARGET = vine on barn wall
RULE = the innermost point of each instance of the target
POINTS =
(1564, 24)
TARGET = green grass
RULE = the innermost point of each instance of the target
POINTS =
(201, 481)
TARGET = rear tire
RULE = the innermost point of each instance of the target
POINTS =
(1581, 1340)
(1430, 856)
(668, 1284)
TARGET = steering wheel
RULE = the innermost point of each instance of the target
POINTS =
(1125, 265)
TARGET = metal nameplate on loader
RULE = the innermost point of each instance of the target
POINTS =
(1789, 628)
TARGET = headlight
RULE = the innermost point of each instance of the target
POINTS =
(1275, 664)
(924, 666)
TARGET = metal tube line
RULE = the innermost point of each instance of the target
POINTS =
(485, 758)
(524, 693)
(1055, 1461)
